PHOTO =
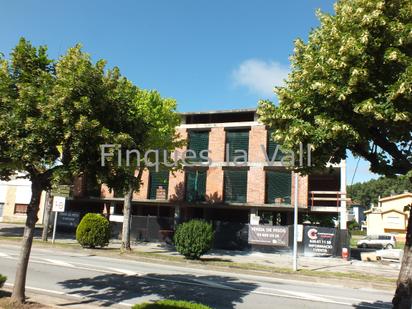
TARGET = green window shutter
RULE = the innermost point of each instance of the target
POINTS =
(198, 141)
(235, 186)
(195, 185)
(271, 148)
(157, 179)
(278, 187)
(237, 140)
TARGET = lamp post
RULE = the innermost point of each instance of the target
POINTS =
(295, 226)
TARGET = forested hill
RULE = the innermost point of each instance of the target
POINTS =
(368, 192)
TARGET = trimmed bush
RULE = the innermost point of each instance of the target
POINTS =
(171, 304)
(93, 231)
(2, 280)
(194, 238)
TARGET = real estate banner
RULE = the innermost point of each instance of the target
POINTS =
(268, 235)
(319, 241)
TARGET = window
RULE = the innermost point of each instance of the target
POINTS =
(158, 184)
(20, 208)
(273, 147)
(195, 185)
(235, 186)
(198, 141)
(278, 187)
(236, 141)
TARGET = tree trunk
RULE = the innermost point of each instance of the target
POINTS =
(18, 294)
(403, 294)
(47, 213)
(127, 214)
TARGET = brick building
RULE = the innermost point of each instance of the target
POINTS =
(222, 191)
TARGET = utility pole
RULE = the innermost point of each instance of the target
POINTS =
(343, 210)
(295, 226)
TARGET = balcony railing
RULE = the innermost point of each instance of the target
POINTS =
(326, 200)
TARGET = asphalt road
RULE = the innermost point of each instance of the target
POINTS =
(86, 279)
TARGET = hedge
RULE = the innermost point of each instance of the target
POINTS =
(2, 280)
(194, 238)
(171, 304)
(93, 231)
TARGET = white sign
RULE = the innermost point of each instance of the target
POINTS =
(300, 232)
(58, 203)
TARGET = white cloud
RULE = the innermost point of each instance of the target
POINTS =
(259, 76)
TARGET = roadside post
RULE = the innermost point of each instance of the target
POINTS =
(295, 226)
(58, 206)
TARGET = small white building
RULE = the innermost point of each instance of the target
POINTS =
(15, 197)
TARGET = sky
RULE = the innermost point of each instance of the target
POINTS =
(207, 55)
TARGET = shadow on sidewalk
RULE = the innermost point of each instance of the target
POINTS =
(376, 304)
(215, 291)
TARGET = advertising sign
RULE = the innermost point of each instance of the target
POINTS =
(268, 235)
(58, 203)
(319, 241)
(68, 219)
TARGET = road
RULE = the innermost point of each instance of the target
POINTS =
(82, 278)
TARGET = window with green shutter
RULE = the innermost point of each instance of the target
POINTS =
(156, 180)
(195, 185)
(237, 140)
(235, 186)
(198, 141)
(278, 187)
(271, 148)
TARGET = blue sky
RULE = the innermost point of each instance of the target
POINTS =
(205, 54)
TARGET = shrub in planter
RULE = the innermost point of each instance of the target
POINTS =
(93, 231)
(2, 280)
(170, 304)
(194, 238)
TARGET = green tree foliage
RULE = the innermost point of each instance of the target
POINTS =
(47, 107)
(194, 238)
(93, 231)
(351, 88)
(160, 119)
(2, 280)
(368, 192)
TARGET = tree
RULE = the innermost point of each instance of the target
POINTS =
(46, 106)
(350, 87)
(160, 120)
(368, 192)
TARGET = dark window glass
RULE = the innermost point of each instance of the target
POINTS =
(272, 146)
(278, 187)
(195, 185)
(235, 186)
(158, 181)
(198, 141)
(237, 140)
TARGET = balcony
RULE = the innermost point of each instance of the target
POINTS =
(326, 201)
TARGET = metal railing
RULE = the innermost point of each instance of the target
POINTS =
(335, 197)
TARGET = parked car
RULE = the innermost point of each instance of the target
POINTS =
(377, 241)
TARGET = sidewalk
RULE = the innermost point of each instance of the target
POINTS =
(327, 264)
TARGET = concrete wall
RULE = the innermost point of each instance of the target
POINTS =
(374, 224)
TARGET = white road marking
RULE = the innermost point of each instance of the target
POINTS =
(124, 271)
(213, 284)
(5, 255)
(60, 263)
(78, 296)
